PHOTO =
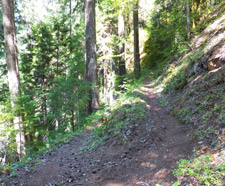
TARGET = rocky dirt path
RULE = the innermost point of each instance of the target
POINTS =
(146, 159)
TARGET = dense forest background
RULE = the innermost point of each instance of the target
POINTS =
(57, 83)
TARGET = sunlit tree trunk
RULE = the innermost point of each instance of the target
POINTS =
(188, 18)
(137, 67)
(111, 83)
(91, 59)
(13, 69)
(121, 33)
(108, 81)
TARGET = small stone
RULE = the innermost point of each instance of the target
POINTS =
(127, 132)
(142, 140)
(70, 180)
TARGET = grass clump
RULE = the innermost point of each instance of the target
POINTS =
(207, 169)
(128, 108)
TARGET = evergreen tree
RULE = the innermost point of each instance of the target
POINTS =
(107, 47)
(188, 18)
(137, 67)
(121, 34)
(91, 59)
(13, 68)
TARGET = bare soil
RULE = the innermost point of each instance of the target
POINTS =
(147, 158)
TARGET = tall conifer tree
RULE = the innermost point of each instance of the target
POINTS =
(13, 69)
(188, 18)
(121, 33)
(137, 68)
(91, 59)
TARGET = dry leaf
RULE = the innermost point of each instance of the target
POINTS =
(204, 149)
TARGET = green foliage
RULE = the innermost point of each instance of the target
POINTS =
(204, 169)
(7, 134)
(3, 67)
(119, 116)
(174, 184)
(53, 87)
(107, 45)
(177, 81)
(53, 80)
(168, 28)
(167, 32)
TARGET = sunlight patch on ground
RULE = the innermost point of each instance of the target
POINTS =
(195, 80)
(162, 173)
(90, 127)
(216, 25)
(214, 41)
(140, 183)
(159, 90)
(199, 40)
(114, 184)
(152, 155)
(148, 165)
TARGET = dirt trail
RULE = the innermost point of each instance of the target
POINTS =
(151, 152)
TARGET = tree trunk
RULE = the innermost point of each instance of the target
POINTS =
(78, 109)
(137, 67)
(188, 18)
(72, 118)
(111, 83)
(121, 33)
(13, 69)
(91, 59)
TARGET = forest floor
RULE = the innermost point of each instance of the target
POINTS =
(146, 159)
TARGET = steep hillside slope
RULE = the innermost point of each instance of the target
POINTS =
(193, 88)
